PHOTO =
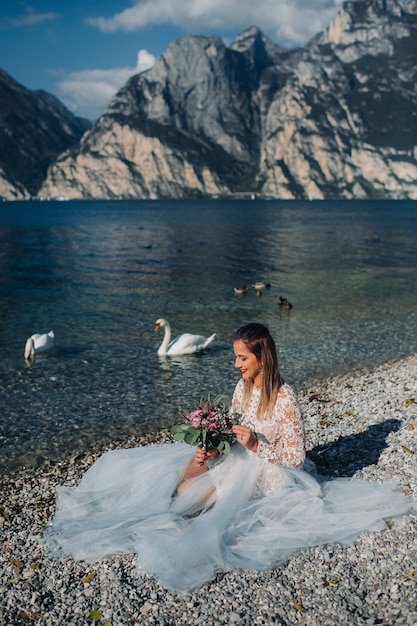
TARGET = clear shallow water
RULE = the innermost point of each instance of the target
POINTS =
(100, 273)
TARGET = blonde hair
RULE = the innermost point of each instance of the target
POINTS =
(259, 341)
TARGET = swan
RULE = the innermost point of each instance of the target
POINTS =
(39, 343)
(183, 344)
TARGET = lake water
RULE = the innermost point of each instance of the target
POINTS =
(100, 273)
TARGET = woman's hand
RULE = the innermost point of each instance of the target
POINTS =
(246, 437)
(198, 466)
(201, 456)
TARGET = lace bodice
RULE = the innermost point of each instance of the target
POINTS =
(281, 437)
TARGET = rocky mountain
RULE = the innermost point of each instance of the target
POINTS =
(35, 128)
(188, 127)
(336, 118)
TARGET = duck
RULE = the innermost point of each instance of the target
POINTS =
(39, 342)
(284, 303)
(261, 285)
(241, 290)
(183, 344)
(258, 293)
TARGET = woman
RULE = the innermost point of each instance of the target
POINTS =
(272, 425)
(250, 509)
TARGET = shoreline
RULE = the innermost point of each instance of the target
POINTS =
(158, 434)
(361, 425)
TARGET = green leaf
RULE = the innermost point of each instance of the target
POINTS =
(95, 615)
(180, 428)
(224, 446)
(196, 439)
(190, 438)
(179, 436)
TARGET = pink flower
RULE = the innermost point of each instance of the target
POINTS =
(196, 418)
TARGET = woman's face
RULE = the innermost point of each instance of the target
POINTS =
(246, 361)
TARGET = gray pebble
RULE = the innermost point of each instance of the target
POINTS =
(363, 425)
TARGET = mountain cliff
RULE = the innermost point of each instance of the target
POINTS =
(35, 128)
(187, 127)
(336, 118)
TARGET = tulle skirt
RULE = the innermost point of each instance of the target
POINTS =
(244, 514)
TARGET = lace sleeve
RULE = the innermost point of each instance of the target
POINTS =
(281, 437)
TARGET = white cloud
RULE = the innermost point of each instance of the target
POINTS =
(288, 22)
(88, 93)
(32, 19)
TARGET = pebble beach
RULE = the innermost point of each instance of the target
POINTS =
(361, 425)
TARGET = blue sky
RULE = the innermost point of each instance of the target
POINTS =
(83, 52)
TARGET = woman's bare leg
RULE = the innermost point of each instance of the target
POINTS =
(193, 470)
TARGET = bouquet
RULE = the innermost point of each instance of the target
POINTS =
(209, 425)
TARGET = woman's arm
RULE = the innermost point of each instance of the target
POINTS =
(285, 441)
(281, 436)
(199, 464)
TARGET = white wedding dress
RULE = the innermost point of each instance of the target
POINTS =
(265, 505)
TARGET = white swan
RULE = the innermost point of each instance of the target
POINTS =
(183, 344)
(39, 343)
